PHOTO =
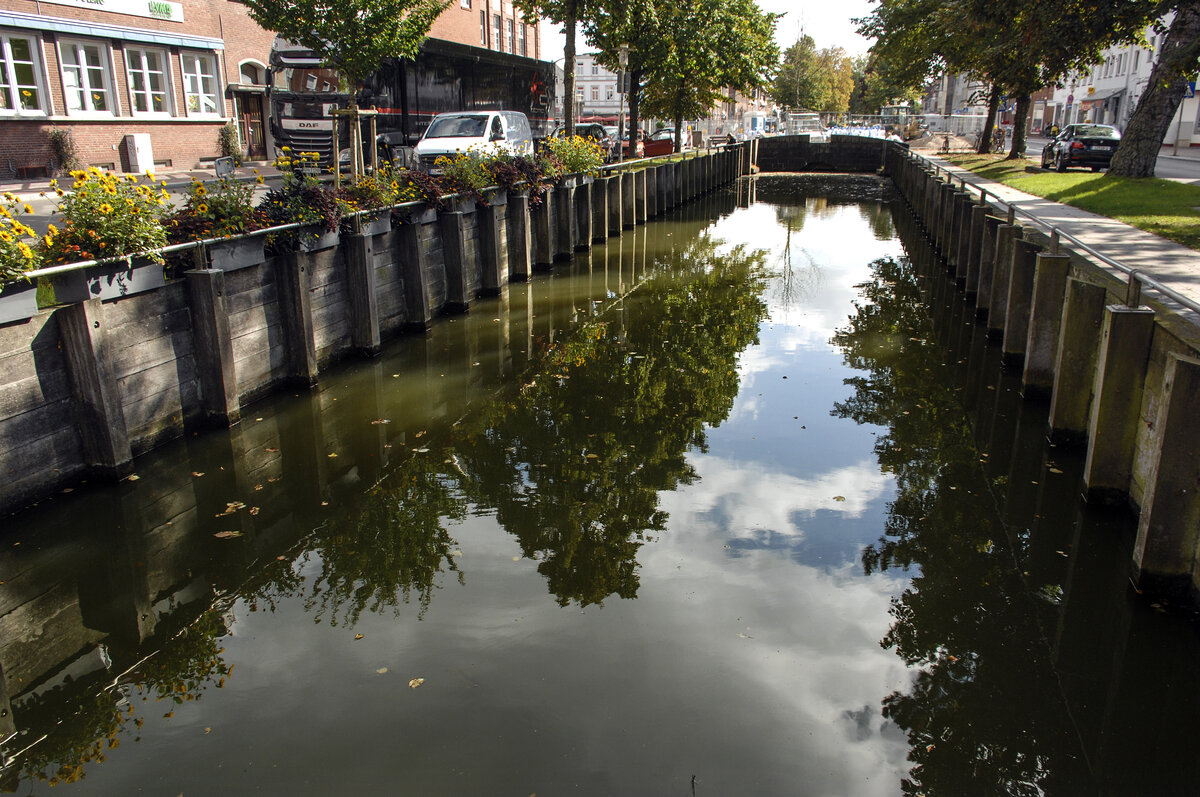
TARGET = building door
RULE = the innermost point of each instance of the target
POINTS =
(251, 125)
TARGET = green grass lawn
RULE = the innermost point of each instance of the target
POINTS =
(1158, 206)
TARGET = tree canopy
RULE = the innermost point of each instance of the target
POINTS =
(814, 79)
(351, 36)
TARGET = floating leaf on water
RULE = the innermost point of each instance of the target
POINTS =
(281, 558)
(420, 450)
(358, 636)
(258, 487)
(1055, 470)
(331, 456)
(197, 473)
(839, 498)
(254, 511)
(133, 477)
(273, 450)
(516, 558)
(225, 535)
(420, 433)
(456, 552)
(258, 419)
(381, 670)
(378, 421)
(415, 682)
(593, 456)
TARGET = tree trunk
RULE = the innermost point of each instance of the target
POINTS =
(1020, 127)
(569, 24)
(1148, 126)
(985, 138)
(635, 102)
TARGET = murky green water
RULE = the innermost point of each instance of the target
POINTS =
(736, 505)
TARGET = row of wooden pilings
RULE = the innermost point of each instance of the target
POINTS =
(580, 212)
(1121, 378)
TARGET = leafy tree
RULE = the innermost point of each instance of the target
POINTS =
(1177, 61)
(567, 13)
(708, 45)
(638, 25)
(817, 80)
(351, 36)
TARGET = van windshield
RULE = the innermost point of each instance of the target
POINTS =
(467, 125)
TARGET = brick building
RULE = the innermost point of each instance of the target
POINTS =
(105, 69)
(175, 70)
(492, 24)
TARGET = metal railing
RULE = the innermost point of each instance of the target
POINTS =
(202, 245)
(1137, 277)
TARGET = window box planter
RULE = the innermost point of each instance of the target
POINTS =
(377, 224)
(231, 254)
(113, 280)
(18, 300)
(313, 240)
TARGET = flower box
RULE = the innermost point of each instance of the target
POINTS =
(377, 224)
(18, 300)
(234, 253)
(108, 280)
(313, 240)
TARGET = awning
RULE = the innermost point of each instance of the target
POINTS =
(1100, 96)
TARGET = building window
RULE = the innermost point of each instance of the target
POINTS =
(483, 27)
(595, 92)
(521, 39)
(85, 77)
(148, 81)
(509, 32)
(595, 69)
(200, 83)
(497, 33)
(465, 4)
(20, 76)
(608, 92)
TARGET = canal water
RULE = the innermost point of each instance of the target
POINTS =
(739, 504)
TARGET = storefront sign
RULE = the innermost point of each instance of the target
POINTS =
(152, 9)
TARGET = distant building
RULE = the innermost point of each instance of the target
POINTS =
(1108, 92)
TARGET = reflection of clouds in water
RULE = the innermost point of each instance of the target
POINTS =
(810, 645)
(756, 498)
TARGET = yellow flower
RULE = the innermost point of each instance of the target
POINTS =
(48, 239)
(5, 236)
(54, 183)
(28, 208)
(259, 180)
(150, 176)
(106, 208)
(52, 230)
(26, 252)
(202, 208)
(286, 149)
(201, 190)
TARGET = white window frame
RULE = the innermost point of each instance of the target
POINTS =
(167, 106)
(498, 32)
(465, 4)
(190, 59)
(74, 47)
(510, 35)
(10, 75)
(521, 40)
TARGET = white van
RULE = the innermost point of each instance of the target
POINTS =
(485, 131)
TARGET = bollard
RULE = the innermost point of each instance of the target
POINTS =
(452, 226)
(1020, 295)
(361, 287)
(520, 244)
(614, 204)
(1075, 370)
(1164, 554)
(599, 198)
(1005, 235)
(583, 213)
(979, 212)
(628, 200)
(1045, 324)
(1125, 342)
(544, 228)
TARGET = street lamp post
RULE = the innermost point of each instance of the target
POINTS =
(623, 62)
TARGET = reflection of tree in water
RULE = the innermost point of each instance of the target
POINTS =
(387, 547)
(103, 713)
(794, 287)
(879, 216)
(984, 715)
(574, 462)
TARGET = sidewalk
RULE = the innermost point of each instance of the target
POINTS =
(1165, 261)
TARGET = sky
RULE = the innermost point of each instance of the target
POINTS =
(829, 23)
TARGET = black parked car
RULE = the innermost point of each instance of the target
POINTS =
(1082, 145)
